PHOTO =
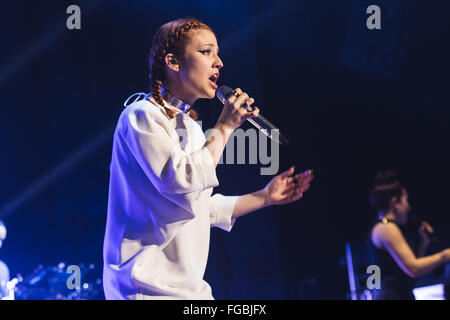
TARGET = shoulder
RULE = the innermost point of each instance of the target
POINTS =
(141, 113)
(386, 230)
(385, 233)
(143, 107)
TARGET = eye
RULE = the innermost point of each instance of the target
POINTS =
(207, 51)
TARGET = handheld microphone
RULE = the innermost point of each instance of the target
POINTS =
(416, 222)
(264, 125)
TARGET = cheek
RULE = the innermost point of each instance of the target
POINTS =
(193, 74)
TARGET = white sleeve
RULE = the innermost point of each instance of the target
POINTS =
(221, 210)
(170, 169)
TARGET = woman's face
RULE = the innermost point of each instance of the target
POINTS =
(199, 70)
(402, 208)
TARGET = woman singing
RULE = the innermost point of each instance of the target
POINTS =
(163, 171)
(398, 262)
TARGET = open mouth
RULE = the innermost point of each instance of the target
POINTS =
(213, 80)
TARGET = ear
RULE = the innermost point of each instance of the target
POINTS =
(394, 201)
(172, 62)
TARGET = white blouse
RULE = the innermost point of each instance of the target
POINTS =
(160, 207)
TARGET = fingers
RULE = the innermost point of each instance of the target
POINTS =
(238, 108)
(294, 195)
(252, 114)
(300, 182)
(238, 98)
(427, 227)
(288, 172)
(248, 111)
(235, 94)
(295, 185)
(304, 177)
(240, 105)
(297, 188)
(243, 97)
(299, 179)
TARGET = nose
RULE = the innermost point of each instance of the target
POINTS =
(218, 63)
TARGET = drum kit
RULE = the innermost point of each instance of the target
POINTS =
(54, 283)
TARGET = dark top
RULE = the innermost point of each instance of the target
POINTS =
(395, 283)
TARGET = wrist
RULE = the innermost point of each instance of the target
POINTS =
(264, 194)
(224, 131)
(224, 128)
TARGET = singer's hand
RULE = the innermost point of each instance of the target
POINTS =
(285, 188)
(424, 230)
(233, 115)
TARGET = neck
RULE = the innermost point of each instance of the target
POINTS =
(174, 86)
(387, 214)
(174, 101)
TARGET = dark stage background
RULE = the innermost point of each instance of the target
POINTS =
(351, 100)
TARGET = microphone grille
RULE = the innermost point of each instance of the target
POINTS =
(223, 92)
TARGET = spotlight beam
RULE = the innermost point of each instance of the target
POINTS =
(53, 175)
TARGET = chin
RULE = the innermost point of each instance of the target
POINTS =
(210, 94)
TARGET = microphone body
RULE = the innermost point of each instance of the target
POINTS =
(264, 125)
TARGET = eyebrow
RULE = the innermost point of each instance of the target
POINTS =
(211, 45)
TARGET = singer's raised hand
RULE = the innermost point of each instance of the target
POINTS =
(233, 115)
(287, 187)
(425, 230)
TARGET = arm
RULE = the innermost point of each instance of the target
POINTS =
(391, 238)
(224, 210)
(249, 203)
(421, 249)
(217, 141)
(282, 189)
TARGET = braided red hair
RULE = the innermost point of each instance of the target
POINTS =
(171, 37)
